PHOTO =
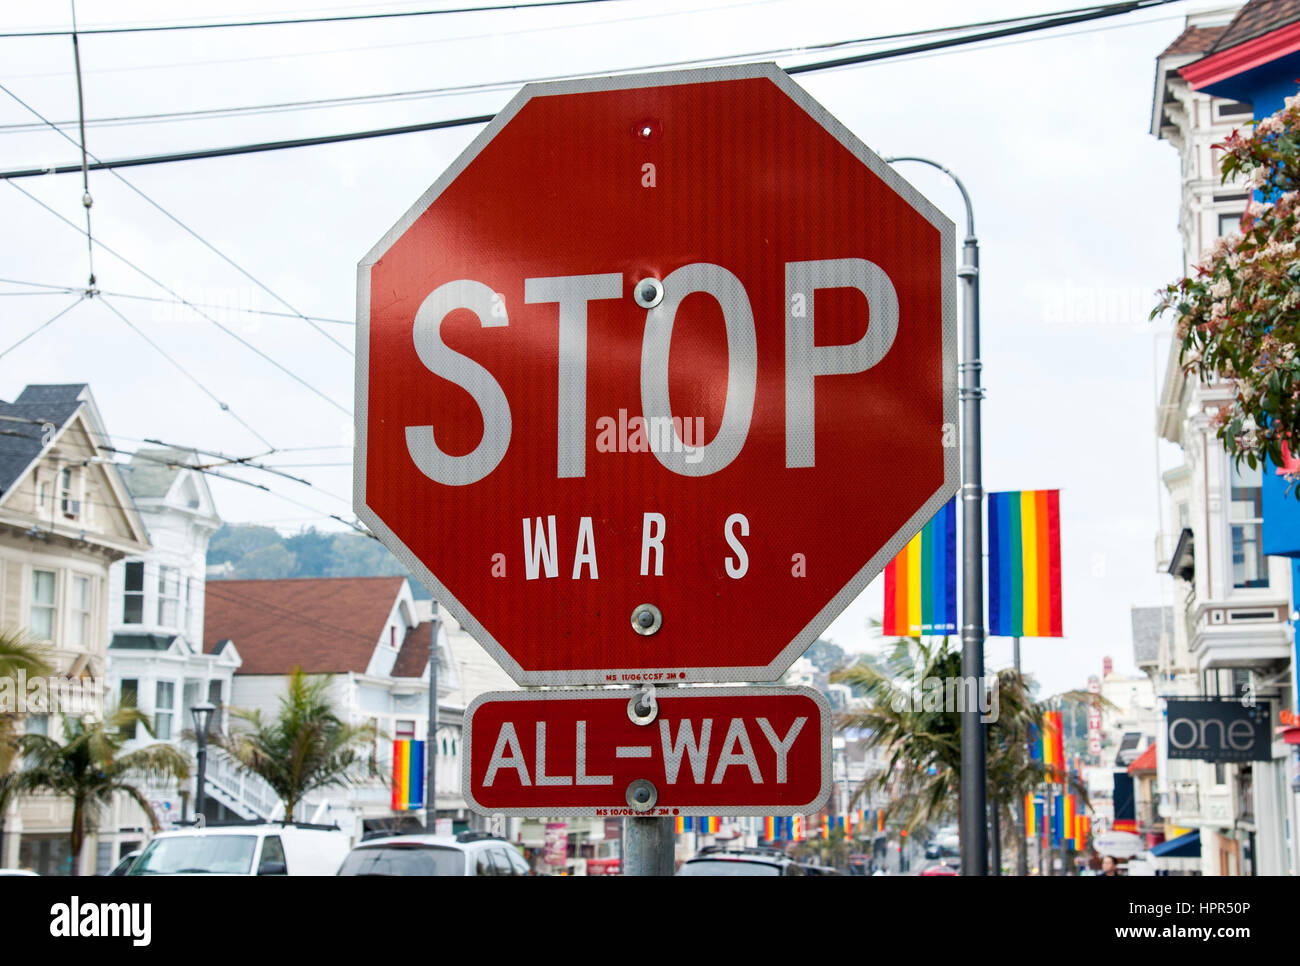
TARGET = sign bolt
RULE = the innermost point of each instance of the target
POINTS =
(646, 619)
(642, 795)
(648, 292)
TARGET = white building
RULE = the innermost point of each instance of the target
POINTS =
(1231, 602)
(367, 635)
(65, 516)
(156, 660)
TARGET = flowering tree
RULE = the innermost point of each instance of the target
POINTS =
(1238, 313)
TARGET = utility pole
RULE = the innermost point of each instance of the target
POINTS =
(974, 809)
(431, 745)
(1022, 853)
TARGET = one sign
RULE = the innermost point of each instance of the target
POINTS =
(656, 377)
(705, 751)
(1094, 716)
(1212, 729)
(1121, 845)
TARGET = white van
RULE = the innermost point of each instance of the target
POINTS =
(255, 849)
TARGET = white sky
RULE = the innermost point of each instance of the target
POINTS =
(1076, 209)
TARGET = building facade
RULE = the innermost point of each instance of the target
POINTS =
(65, 518)
(1232, 633)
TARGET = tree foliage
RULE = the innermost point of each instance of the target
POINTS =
(306, 745)
(1238, 313)
(89, 767)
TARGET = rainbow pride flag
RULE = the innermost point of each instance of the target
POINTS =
(708, 824)
(1025, 563)
(769, 829)
(921, 582)
(408, 775)
(1050, 748)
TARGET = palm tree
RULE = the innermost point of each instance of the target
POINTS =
(920, 734)
(305, 747)
(17, 653)
(89, 767)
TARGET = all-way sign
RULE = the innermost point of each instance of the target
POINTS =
(687, 751)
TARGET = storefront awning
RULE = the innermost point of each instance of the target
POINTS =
(1144, 762)
(1184, 847)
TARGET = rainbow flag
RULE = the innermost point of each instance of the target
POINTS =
(709, 824)
(880, 820)
(1030, 815)
(1025, 563)
(769, 829)
(921, 582)
(1051, 746)
(408, 775)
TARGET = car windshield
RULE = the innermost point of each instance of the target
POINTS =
(198, 855)
(728, 867)
(404, 860)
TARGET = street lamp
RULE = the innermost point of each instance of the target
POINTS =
(974, 836)
(202, 715)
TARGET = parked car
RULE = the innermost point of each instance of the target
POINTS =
(469, 853)
(245, 849)
(761, 862)
(940, 869)
(128, 860)
(5, 872)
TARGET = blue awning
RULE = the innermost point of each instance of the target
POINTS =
(1184, 847)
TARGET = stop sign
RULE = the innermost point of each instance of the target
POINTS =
(657, 377)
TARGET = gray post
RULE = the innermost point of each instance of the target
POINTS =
(974, 811)
(431, 745)
(1022, 854)
(201, 757)
(648, 846)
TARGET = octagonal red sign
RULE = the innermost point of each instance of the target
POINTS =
(657, 377)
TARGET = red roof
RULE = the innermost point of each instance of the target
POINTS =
(323, 624)
(1143, 762)
(1193, 40)
(414, 655)
(1256, 19)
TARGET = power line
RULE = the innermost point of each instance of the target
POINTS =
(50, 321)
(242, 341)
(185, 372)
(291, 21)
(194, 234)
(239, 309)
(492, 86)
(86, 200)
(366, 48)
(1052, 21)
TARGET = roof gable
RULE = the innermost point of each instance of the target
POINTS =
(323, 625)
(1255, 19)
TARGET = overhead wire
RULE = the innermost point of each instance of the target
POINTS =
(1047, 22)
(224, 406)
(298, 21)
(86, 200)
(234, 335)
(48, 322)
(172, 217)
(237, 309)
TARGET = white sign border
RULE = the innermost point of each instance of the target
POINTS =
(661, 695)
(873, 567)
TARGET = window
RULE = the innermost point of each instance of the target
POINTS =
(67, 497)
(1234, 109)
(405, 731)
(79, 629)
(164, 707)
(1220, 773)
(42, 495)
(169, 596)
(214, 699)
(133, 595)
(272, 861)
(129, 698)
(1245, 516)
(1229, 223)
(40, 618)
